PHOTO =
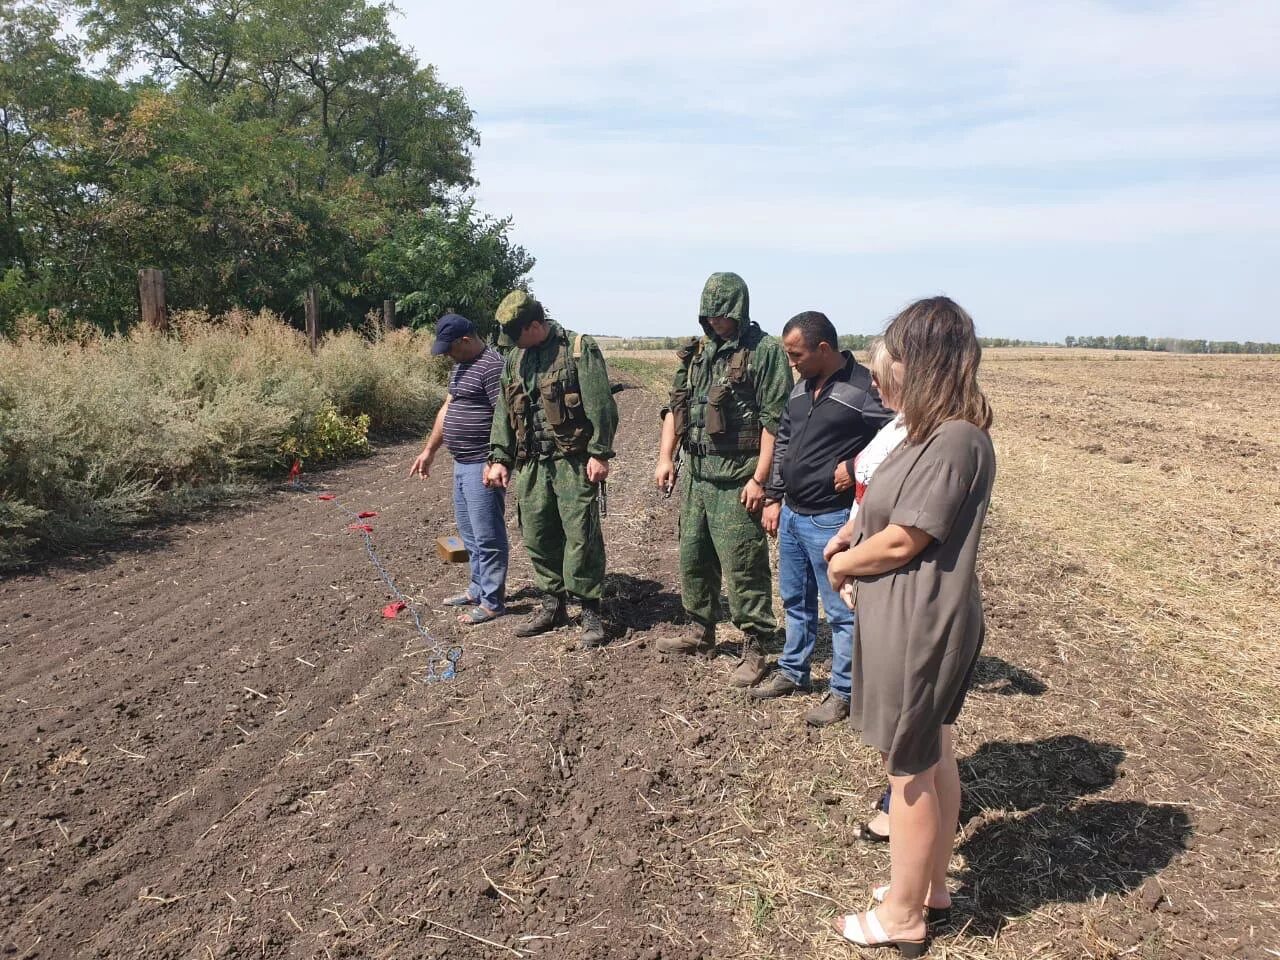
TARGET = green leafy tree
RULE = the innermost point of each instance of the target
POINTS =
(270, 145)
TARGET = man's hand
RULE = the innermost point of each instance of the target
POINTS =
(837, 544)
(597, 470)
(664, 474)
(769, 519)
(841, 477)
(496, 475)
(752, 496)
(422, 466)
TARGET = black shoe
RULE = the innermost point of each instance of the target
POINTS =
(778, 685)
(551, 615)
(592, 628)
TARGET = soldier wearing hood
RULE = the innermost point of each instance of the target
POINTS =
(552, 440)
(727, 399)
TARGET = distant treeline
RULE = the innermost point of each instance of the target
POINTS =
(1171, 345)
(850, 341)
(860, 341)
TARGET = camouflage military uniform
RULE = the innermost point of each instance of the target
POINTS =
(555, 411)
(723, 394)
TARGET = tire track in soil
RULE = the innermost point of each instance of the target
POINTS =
(178, 782)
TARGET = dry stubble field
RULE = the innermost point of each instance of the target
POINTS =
(213, 745)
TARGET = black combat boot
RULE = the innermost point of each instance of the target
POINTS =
(592, 626)
(550, 616)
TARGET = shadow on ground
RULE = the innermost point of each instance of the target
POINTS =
(994, 675)
(1050, 845)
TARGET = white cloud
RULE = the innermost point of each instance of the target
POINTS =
(677, 133)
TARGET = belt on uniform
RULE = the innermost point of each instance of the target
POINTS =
(697, 449)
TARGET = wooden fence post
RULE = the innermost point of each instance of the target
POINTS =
(313, 316)
(151, 299)
(388, 314)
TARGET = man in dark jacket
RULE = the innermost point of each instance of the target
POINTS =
(831, 414)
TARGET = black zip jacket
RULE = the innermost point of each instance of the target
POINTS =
(816, 434)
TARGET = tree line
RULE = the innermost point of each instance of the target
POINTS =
(1171, 345)
(250, 149)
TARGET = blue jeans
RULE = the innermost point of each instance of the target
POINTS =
(802, 579)
(479, 512)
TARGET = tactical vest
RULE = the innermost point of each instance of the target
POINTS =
(717, 412)
(552, 421)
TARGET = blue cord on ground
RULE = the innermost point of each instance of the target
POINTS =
(442, 661)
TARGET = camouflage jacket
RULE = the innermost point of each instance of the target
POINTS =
(553, 402)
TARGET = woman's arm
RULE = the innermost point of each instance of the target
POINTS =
(891, 548)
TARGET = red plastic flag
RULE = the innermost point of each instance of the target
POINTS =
(325, 496)
(391, 609)
(364, 527)
(366, 514)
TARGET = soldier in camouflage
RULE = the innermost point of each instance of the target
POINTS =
(552, 440)
(727, 399)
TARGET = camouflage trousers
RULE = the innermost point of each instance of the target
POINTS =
(718, 536)
(559, 515)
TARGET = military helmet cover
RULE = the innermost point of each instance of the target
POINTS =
(517, 310)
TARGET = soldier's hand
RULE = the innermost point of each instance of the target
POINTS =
(496, 476)
(664, 474)
(841, 477)
(597, 470)
(769, 519)
(422, 465)
(752, 495)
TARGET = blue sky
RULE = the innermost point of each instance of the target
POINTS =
(1057, 168)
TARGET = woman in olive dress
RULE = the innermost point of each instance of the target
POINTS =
(911, 574)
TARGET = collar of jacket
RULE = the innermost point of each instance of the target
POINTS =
(843, 373)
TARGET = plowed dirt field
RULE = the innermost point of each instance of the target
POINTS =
(212, 744)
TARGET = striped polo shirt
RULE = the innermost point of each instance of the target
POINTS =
(473, 393)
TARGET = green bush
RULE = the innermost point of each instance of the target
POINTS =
(101, 432)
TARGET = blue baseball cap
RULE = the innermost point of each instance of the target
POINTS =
(449, 328)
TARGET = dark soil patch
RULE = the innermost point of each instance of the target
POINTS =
(219, 748)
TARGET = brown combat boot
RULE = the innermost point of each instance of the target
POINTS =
(831, 710)
(551, 614)
(691, 639)
(751, 666)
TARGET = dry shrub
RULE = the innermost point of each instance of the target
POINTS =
(100, 432)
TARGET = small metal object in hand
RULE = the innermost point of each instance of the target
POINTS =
(604, 499)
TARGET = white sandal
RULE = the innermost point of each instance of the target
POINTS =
(871, 934)
(931, 914)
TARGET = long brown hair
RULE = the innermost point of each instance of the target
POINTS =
(935, 341)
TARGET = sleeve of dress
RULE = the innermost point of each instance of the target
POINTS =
(939, 482)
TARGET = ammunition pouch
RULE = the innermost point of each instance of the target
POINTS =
(716, 419)
(680, 412)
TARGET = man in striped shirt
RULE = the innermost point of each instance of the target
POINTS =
(463, 426)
